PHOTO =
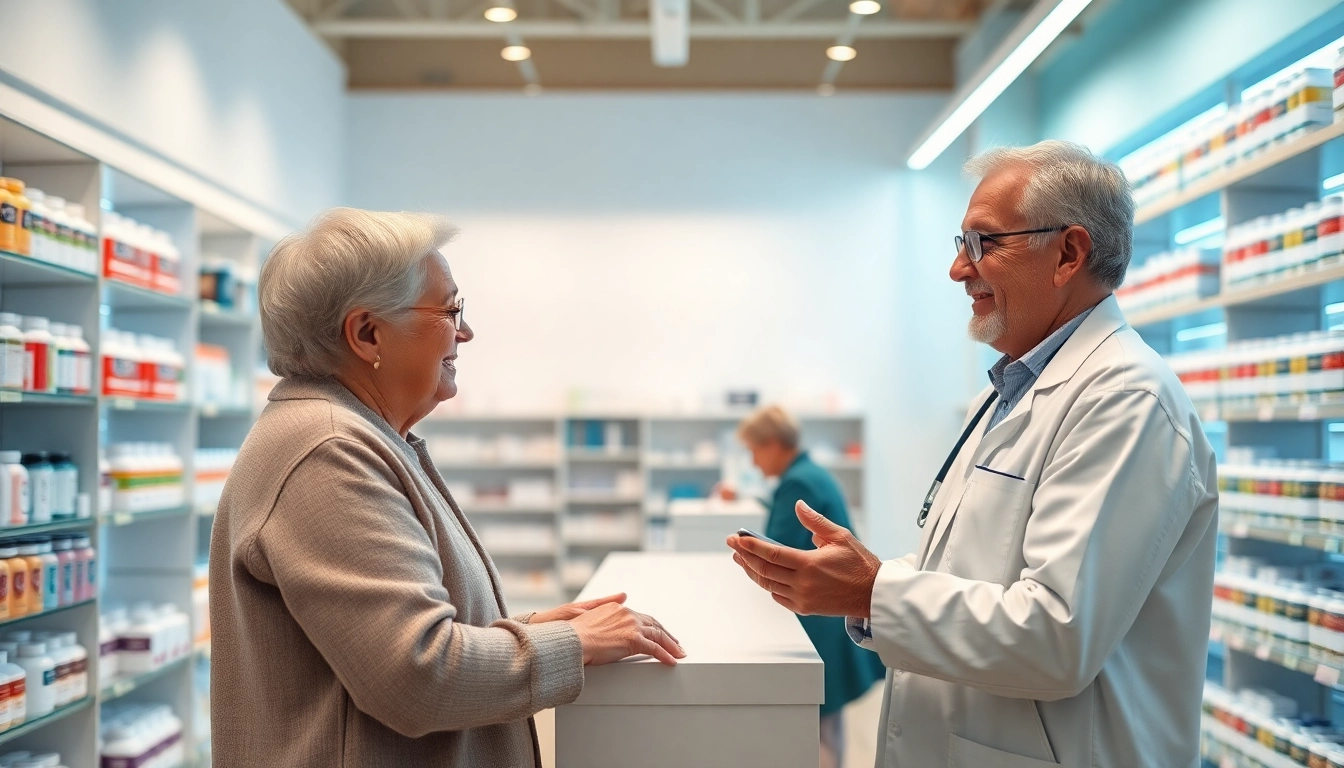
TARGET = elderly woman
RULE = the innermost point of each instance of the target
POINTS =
(357, 620)
(772, 436)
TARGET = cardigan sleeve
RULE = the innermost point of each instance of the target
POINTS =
(359, 574)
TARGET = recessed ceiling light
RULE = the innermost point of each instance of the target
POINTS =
(865, 7)
(516, 53)
(841, 53)
(500, 14)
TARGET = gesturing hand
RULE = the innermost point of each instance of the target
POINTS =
(835, 579)
(611, 632)
(570, 610)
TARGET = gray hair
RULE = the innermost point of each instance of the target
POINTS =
(769, 424)
(1070, 185)
(345, 259)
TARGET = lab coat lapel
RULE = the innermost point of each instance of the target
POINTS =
(949, 496)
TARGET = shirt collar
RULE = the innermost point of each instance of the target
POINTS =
(1010, 377)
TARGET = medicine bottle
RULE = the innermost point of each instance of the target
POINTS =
(37, 216)
(63, 547)
(19, 502)
(9, 217)
(65, 486)
(41, 479)
(40, 671)
(83, 375)
(37, 347)
(12, 354)
(23, 241)
(86, 569)
(31, 554)
(51, 575)
(14, 679)
(7, 553)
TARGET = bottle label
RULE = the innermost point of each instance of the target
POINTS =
(49, 677)
(20, 584)
(51, 588)
(4, 591)
(135, 644)
(123, 262)
(166, 277)
(166, 380)
(121, 377)
(35, 587)
(8, 213)
(37, 366)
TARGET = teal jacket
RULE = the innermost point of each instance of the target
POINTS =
(850, 670)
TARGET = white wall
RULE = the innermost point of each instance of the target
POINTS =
(665, 246)
(238, 92)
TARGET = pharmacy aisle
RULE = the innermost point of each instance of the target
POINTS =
(122, 400)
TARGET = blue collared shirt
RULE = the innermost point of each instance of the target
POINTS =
(1012, 378)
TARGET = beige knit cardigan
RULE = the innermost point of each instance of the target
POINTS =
(356, 619)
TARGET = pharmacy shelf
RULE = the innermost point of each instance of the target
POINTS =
(202, 650)
(58, 526)
(1276, 412)
(21, 270)
(27, 617)
(601, 498)
(127, 518)
(1226, 748)
(686, 466)
(603, 456)
(45, 720)
(1249, 526)
(126, 296)
(124, 684)
(215, 411)
(537, 552)
(1242, 171)
(585, 543)
(486, 510)
(515, 465)
(156, 406)
(214, 316)
(1275, 651)
(8, 397)
(1235, 297)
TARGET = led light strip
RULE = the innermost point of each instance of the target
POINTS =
(972, 100)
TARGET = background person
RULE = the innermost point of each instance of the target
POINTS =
(772, 436)
(356, 618)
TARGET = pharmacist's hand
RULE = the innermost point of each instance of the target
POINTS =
(835, 579)
(570, 610)
(611, 632)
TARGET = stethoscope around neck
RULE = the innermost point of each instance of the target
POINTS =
(951, 457)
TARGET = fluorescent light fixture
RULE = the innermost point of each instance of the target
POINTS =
(841, 53)
(1200, 231)
(997, 81)
(516, 53)
(500, 13)
(1201, 332)
(865, 7)
(670, 22)
(1334, 309)
(1334, 181)
(1336, 426)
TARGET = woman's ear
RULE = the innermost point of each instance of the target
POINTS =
(363, 335)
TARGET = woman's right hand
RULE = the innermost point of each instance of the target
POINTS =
(611, 632)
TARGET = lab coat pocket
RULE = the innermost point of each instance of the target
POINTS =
(964, 753)
(985, 542)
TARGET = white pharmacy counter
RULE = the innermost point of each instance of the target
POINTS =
(747, 694)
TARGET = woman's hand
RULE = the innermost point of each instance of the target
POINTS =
(611, 632)
(570, 610)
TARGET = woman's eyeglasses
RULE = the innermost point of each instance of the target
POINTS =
(454, 313)
(973, 241)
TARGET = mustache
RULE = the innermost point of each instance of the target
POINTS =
(978, 286)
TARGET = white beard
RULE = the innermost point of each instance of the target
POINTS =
(988, 329)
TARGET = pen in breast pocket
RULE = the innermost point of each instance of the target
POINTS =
(997, 472)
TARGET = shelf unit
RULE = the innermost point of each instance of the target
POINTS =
(1283, 176)
(656, 451)
(147, 555)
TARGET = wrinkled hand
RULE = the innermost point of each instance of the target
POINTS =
(835, 579)
(570, 610)
(611, 632)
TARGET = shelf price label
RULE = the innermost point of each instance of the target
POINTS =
(122, 518)
(1295, 539)
(1240, 530)
(1265, 412)
(1326, 675)
(1262, 652)
(1308, 412)
(123, 403)
(7, 396)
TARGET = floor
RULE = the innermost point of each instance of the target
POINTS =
(860, 731)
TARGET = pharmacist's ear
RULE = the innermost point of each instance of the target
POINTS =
(1075, 248)
(362, 334)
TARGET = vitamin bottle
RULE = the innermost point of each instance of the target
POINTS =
(83, 360)
(6, 578)
(37, 347)
(23, 240)
(12, 353)
(19, 502)
(14, 679)
(40, 671)
(63, 547)
(9, 217)
(65, 486)
(31, 555)
(41, 478)
(37, 215)
(51, 575)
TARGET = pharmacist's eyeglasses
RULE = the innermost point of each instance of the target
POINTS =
(455, 313)
(974, 242)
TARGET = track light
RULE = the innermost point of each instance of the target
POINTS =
(865, 7)
(516, 53)
(841, 53)
(501, 12)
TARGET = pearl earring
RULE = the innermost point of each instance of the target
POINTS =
(377, 362)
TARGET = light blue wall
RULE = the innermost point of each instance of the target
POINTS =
(238, 92)
(1140, 59)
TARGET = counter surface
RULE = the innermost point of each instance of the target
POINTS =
(742, 647)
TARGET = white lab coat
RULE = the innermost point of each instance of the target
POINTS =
(1066, 620)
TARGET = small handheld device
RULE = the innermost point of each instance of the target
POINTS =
(755, 535)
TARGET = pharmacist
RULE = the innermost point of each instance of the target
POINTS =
(1057, 611)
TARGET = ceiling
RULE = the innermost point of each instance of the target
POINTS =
(607, 44)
